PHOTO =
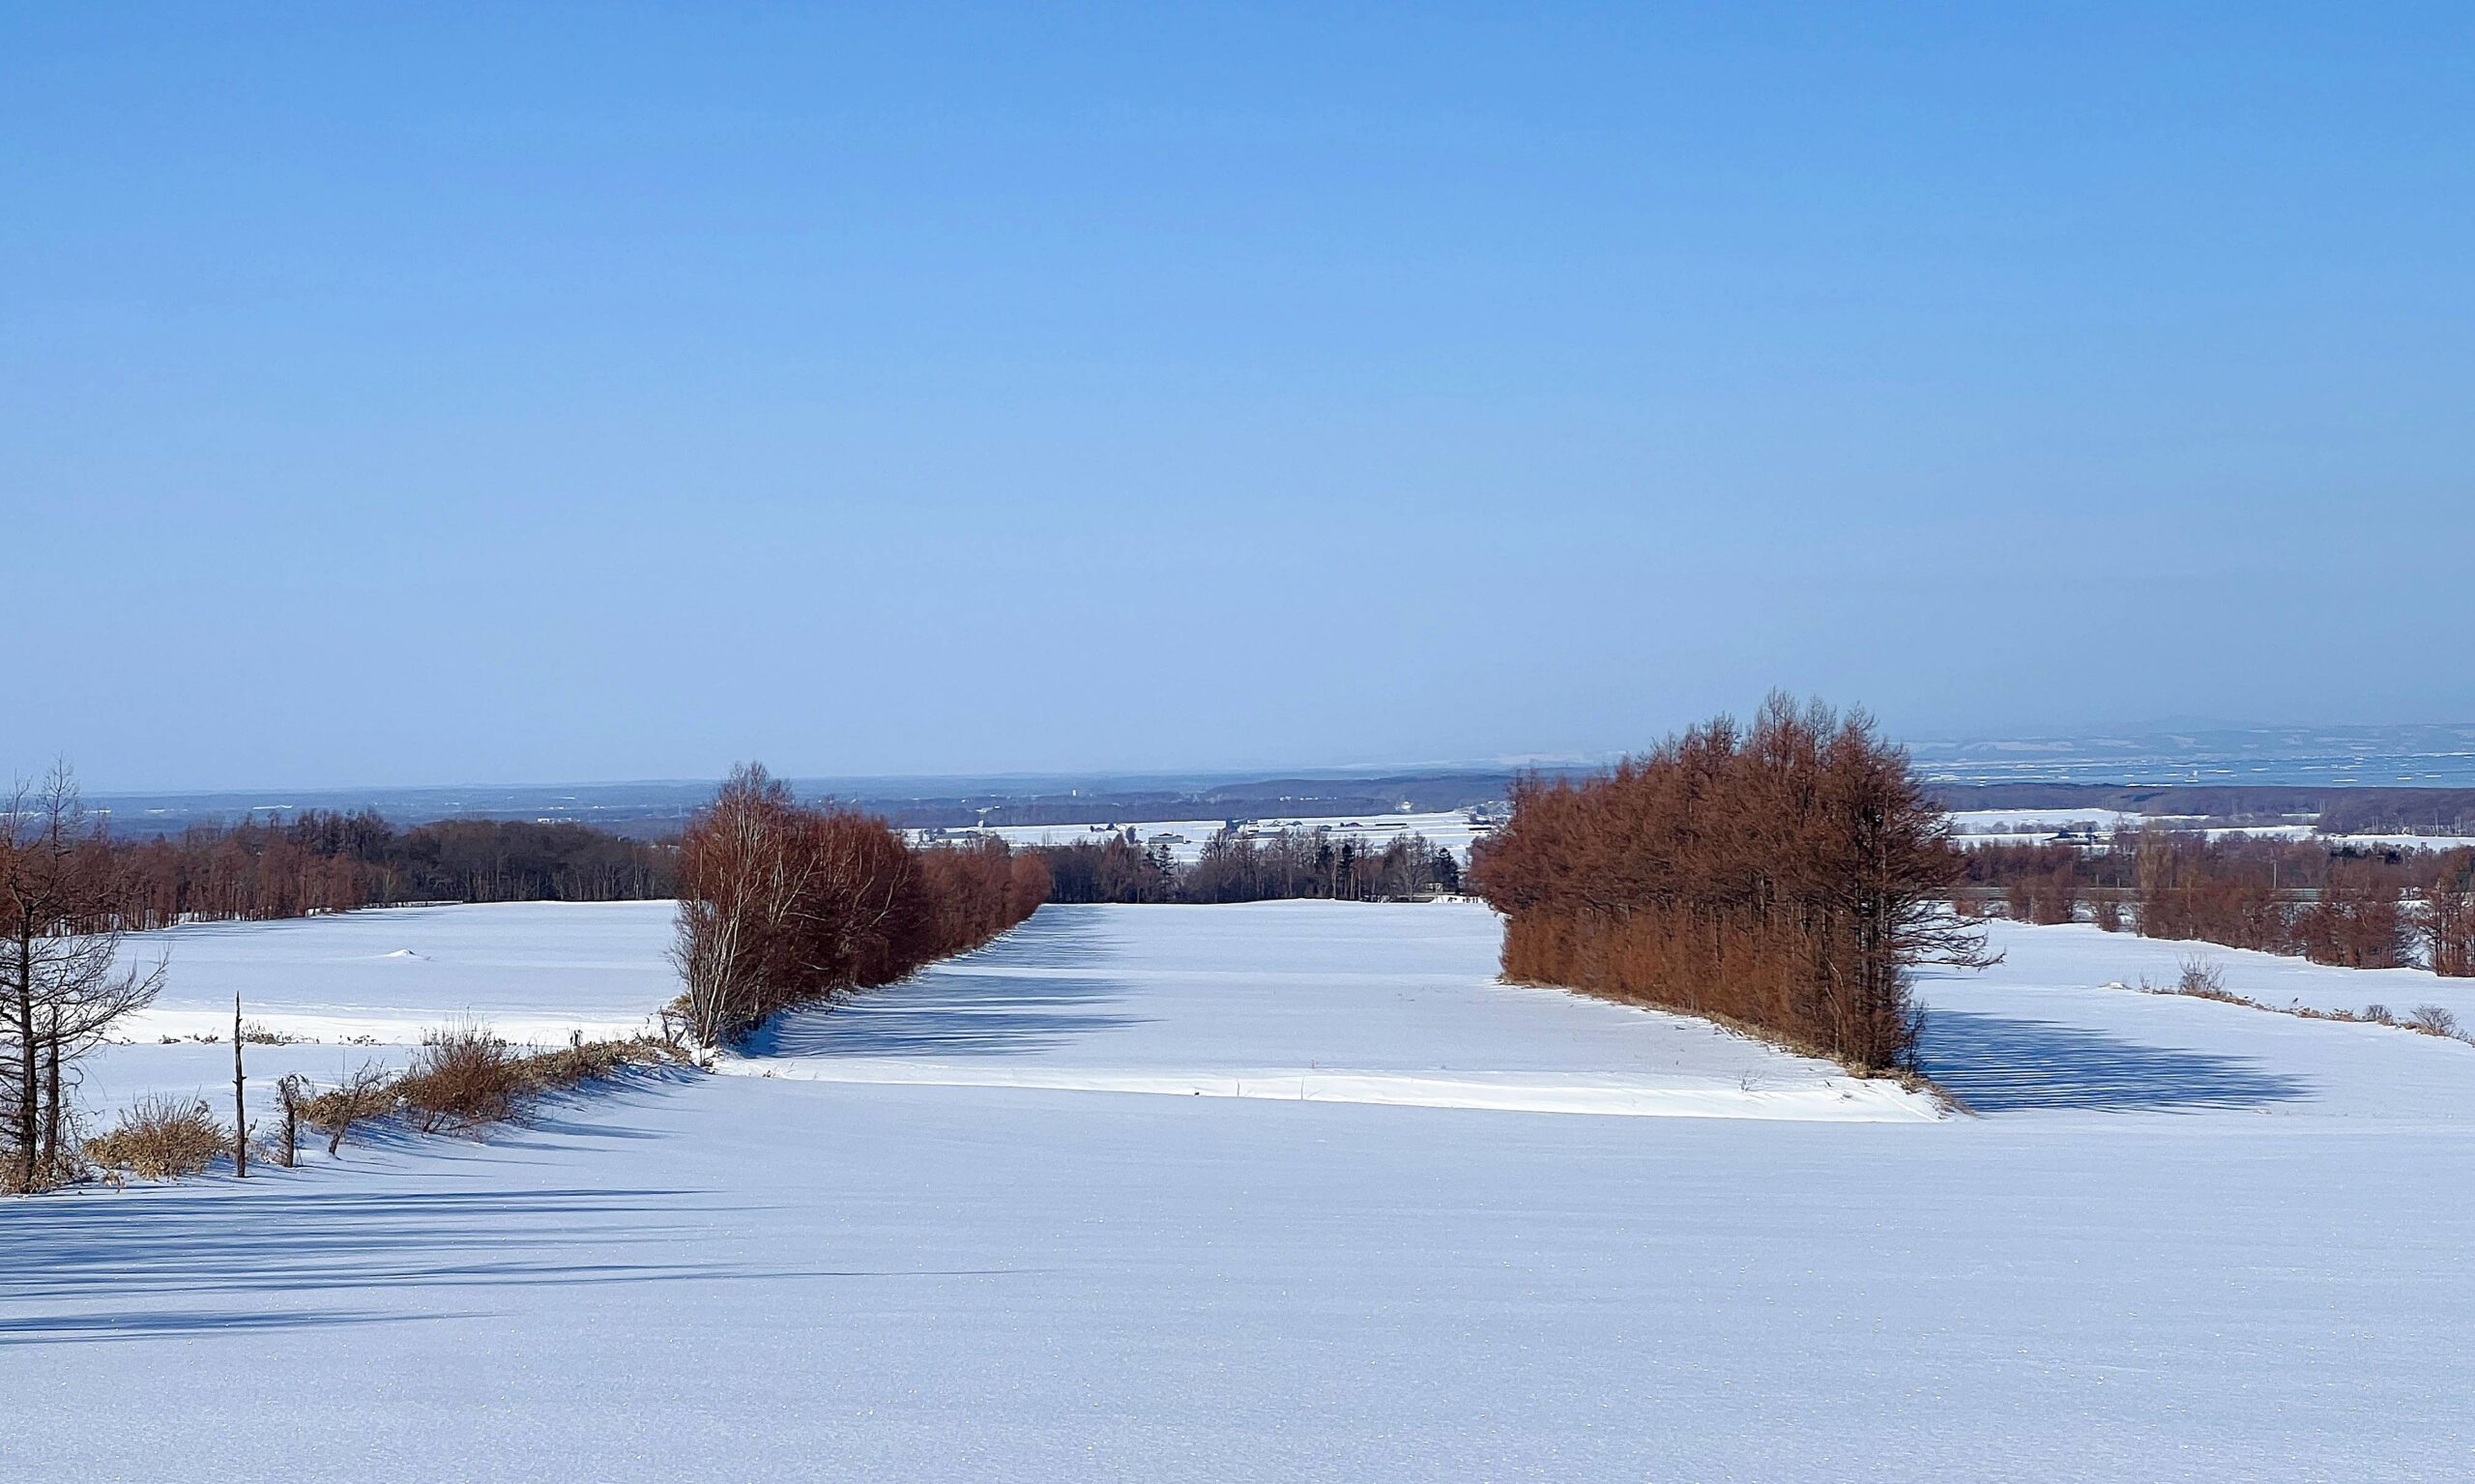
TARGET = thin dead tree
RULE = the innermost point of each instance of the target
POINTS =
(292, 1094)
(240, 1105)
(363, 1095)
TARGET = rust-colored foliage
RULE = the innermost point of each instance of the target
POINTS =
(782, 903)
(1788, 875)
(2374, 907)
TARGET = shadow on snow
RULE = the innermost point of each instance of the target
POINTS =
(176, 1260)
(1999, 1064)
(981, 1004)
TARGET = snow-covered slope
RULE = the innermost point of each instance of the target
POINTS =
(2080, 953)
(362, 986)
(1334, 1001)
(536, 970)
(2187, 1240)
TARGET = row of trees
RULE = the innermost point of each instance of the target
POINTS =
(323, 862)
(1788, 875)
(782, 903)
(1275, 867)
(2361, 909)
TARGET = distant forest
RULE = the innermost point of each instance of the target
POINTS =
(2357, 907)
(1276, 867)
(332, 863)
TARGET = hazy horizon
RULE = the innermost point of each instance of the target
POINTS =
(2141, 754)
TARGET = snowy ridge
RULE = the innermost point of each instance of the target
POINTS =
(1843, 1099)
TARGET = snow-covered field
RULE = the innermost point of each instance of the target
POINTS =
(2078, 952)
(2011, 822)
(2182, 1240)
(2035, 826)
(363, 987)
(1331, 1001)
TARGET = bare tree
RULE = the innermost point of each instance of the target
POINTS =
(61, 985)
(782, 903)
(240, 1104)
(364, 1095)
(737, 876)
(292, 1096)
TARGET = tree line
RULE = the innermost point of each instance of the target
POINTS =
(2349, 904)
(1788, 875)
(69, 893)
(1281, 866)
(327, 862)
(783, 904)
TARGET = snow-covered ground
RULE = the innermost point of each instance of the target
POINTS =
(536, 970)
(1333, 1001)
(2183, 1240)
(2035, 826)
(2009, 822)
(362, 986)
(2080, 954)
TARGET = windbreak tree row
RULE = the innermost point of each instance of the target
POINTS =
(2354, 906)
(326, 861)
(1789, 876)
(782, 903)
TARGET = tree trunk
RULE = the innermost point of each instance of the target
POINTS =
(29, 1084)
(240, 1109)
(51, 1109)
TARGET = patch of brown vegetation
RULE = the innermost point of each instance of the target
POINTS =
(162, 1138)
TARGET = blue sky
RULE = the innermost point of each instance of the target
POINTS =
(440, 393)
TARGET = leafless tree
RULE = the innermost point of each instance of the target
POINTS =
(240, 1104)
(292, 1096)
(2444, 917)
(364, 1095)
(782, 903)
(61, 985)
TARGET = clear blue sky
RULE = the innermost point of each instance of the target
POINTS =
(397, 395)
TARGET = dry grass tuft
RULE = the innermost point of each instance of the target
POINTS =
(581, 1062)
(2432, 1020)
(2202, 980)
(463, 1076)
(162, 1138)
(466, 1077)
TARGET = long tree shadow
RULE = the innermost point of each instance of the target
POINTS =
(1999, 1064)
(165, 1261)
(1035, 989)
(146, 1325)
